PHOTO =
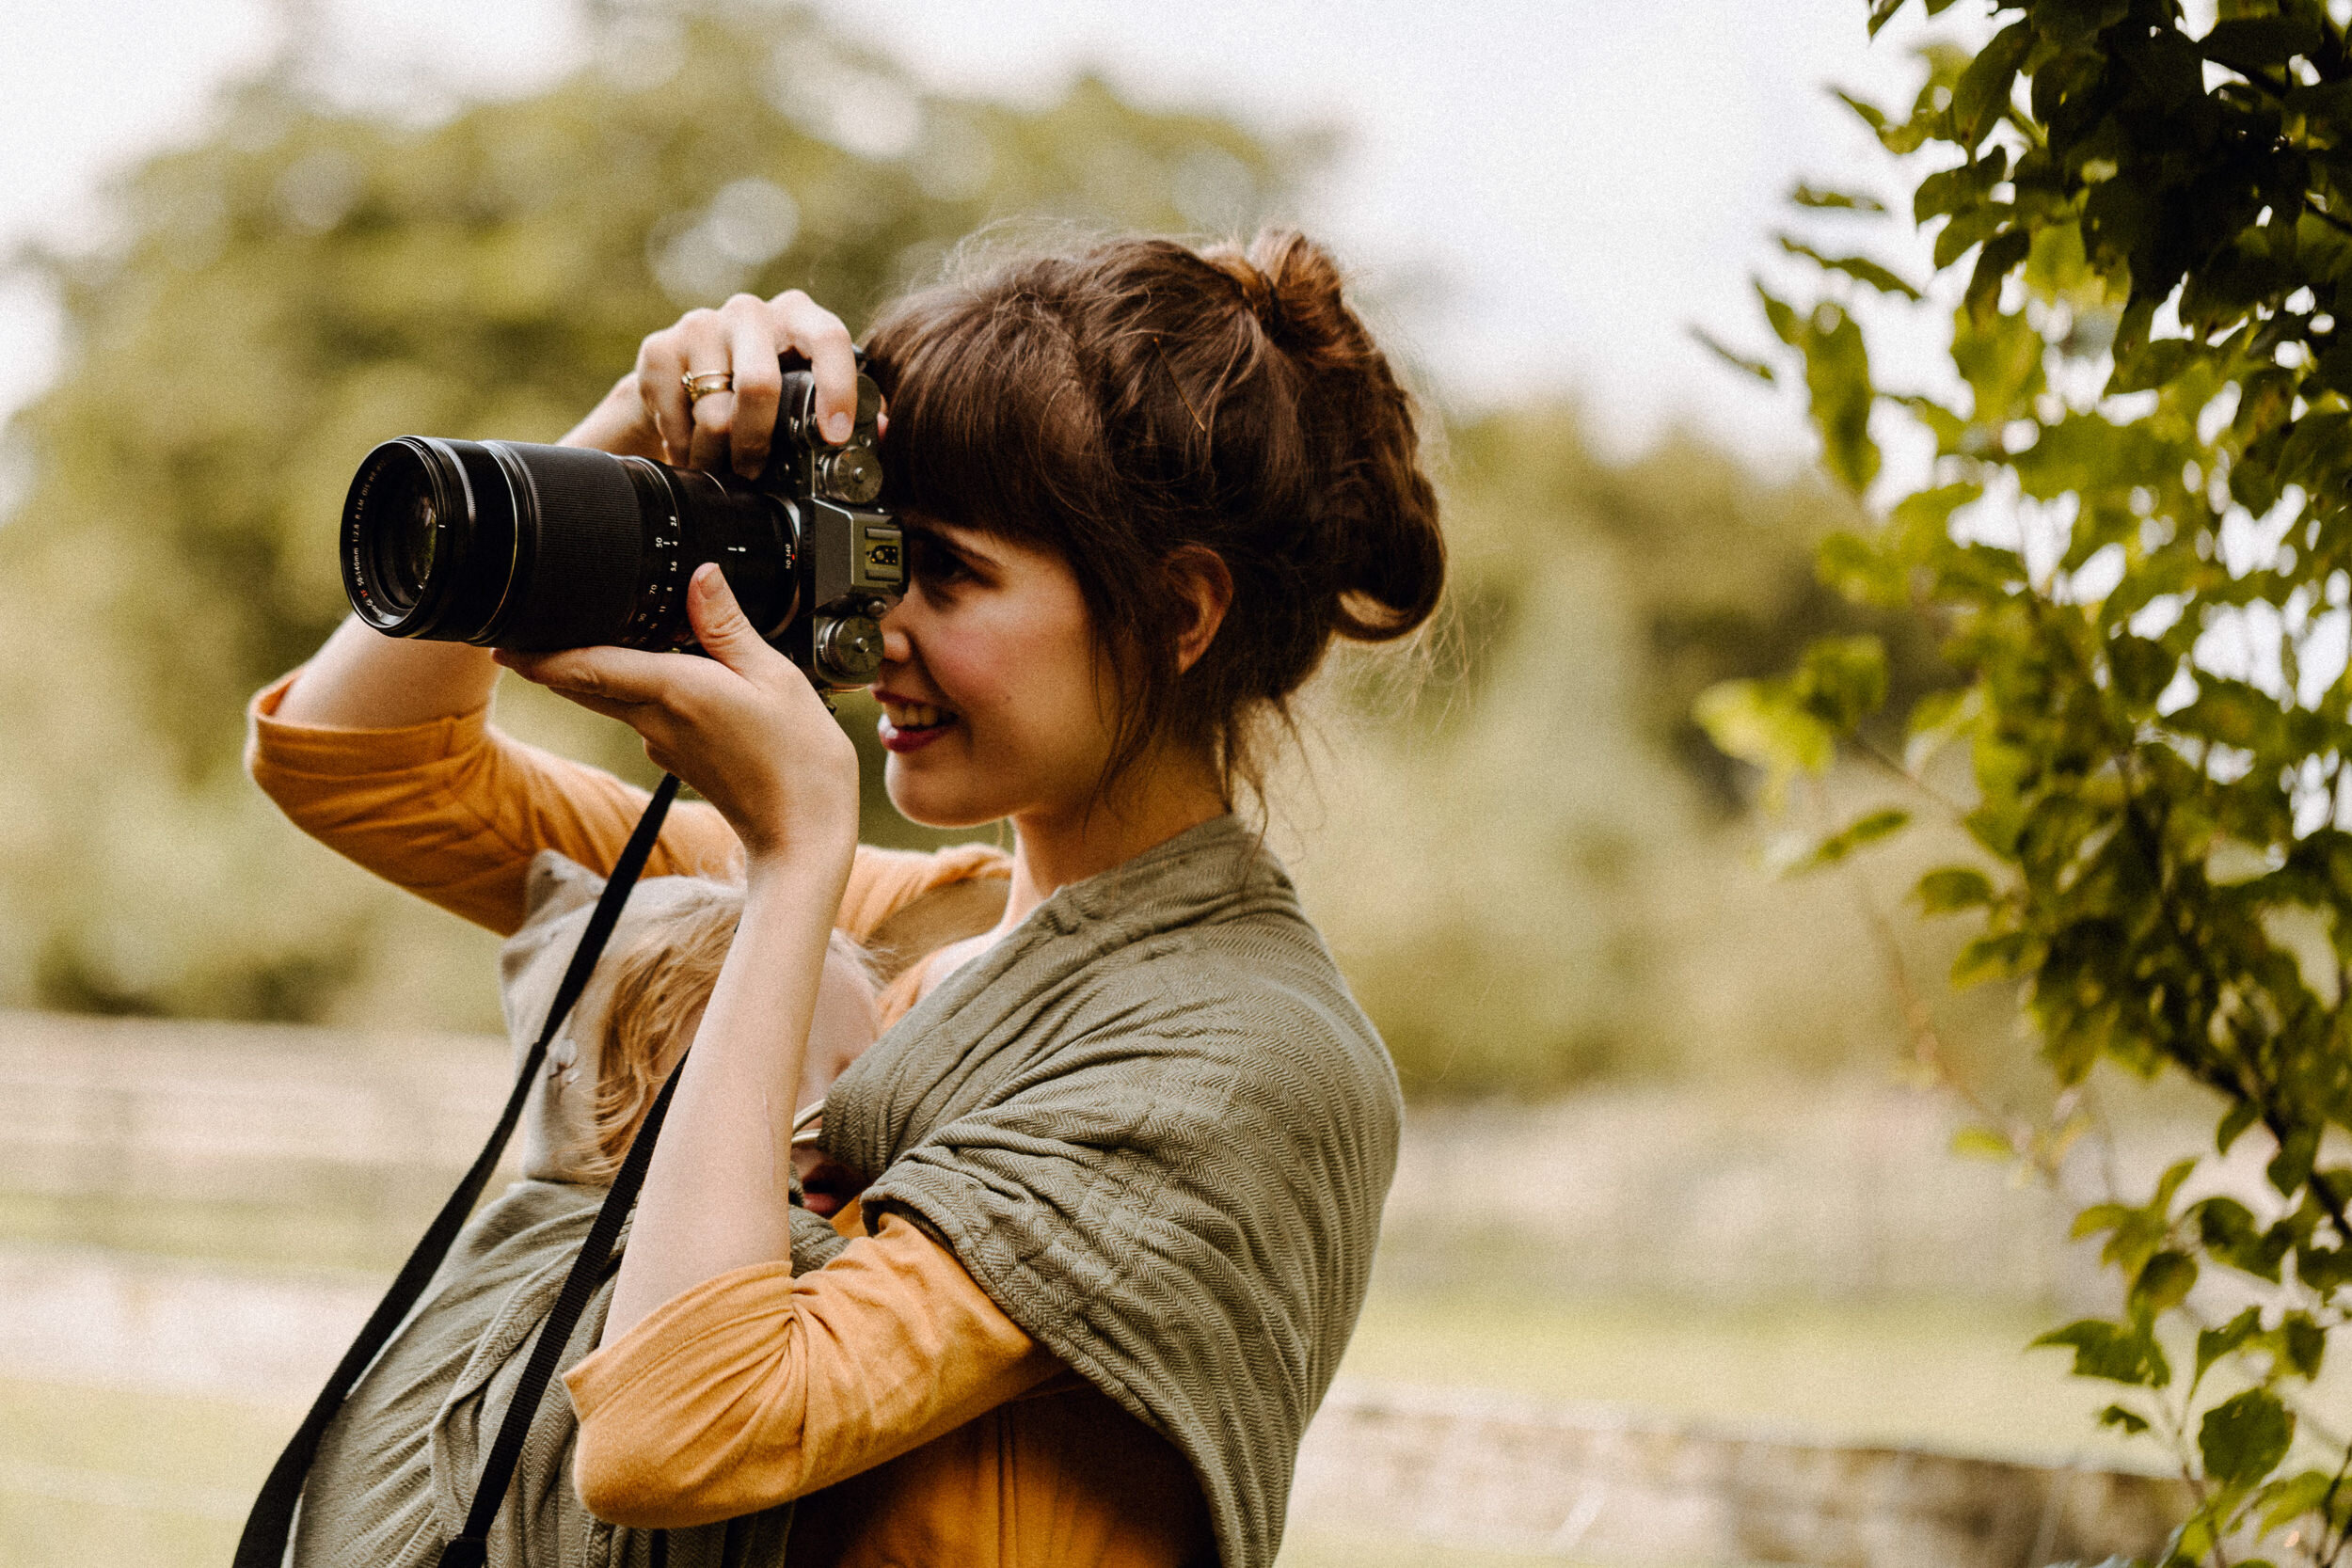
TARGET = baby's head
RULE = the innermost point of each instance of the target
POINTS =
(662, 983)
(641, 1007)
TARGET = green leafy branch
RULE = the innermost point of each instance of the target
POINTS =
(2144, 241)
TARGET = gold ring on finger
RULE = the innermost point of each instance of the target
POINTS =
(701, 383)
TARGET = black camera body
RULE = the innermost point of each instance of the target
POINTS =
(508, 545)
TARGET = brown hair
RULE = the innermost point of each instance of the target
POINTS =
(1123, 403)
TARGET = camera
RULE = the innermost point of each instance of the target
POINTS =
(507, 545)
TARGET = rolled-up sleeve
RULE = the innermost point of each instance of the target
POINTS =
(453, 810)
(759, 1386)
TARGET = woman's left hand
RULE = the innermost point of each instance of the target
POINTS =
(743, 726)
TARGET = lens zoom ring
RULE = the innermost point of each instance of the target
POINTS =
(582, 580)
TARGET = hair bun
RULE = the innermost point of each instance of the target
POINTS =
(1295, 290)
(1375, 535)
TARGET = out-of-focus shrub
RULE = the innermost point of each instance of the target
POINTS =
(1529, 872)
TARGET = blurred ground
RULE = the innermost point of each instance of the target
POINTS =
(132, 1476)
(193, 1216)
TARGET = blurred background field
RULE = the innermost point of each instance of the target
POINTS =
(1680, 1123)
(193, 1215)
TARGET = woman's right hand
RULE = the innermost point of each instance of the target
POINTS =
(648, 413)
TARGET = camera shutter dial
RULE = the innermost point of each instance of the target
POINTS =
(851, 474)
(849, 648)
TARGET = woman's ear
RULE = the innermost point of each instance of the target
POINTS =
(1205, 585)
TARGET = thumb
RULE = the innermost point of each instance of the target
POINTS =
(721, 626)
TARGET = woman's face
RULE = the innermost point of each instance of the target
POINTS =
(994, 692)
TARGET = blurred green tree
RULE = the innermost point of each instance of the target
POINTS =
(307, 279)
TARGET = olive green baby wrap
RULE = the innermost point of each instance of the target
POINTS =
(395, 1471)
(1150, 1122)
(1157, 1130)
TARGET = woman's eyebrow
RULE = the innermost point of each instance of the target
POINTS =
(960, 542)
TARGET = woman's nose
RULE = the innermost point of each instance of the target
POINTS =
(898, 646)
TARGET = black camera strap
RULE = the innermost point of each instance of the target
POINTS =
(270, 1524)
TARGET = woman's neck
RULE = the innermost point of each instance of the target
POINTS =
(1160, 797)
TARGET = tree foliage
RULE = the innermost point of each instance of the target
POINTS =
(2136, 540)
(308, 279)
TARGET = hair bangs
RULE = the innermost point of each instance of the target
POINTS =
(988, 426)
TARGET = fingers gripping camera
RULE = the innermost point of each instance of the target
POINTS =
(507, 545)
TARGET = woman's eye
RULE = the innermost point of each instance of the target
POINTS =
(932, 564)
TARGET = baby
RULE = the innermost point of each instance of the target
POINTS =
(396, 1467)
(639, 1010)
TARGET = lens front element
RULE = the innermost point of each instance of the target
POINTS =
(406, 541)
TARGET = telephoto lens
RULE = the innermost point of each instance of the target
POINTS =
(507, 545)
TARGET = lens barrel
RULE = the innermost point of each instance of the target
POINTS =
(507, 545)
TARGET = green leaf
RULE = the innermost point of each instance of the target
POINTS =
(2227, 1231)
(2078, 21)
(2261, 46)
(2163, 1281)
(2285, 1502)
(1982, 96)
(2112, 1352)
(1938, 718)
(1869, 114)
(2240, 1116)
(2302, 1344)
(2243, 1438)
(1969, 227)
(1999, 258)
(1881, 12)
(1958, 190)
(1862, 570)
(1842, 680)
(2142, 669)
(2169, 1183)
(2129, 1422)
(2215, 1343)
(1864, 830)
(1860, 268)
(2002, 957)
(1953, 888)
(1714, 345)
(1983, 1143)
(1851, 201)
(1763, 723)
(2291, 1167)
(1782, 317)
(1837, 374)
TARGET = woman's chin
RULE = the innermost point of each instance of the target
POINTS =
(931, 801)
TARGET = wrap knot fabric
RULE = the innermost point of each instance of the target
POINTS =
(1155, 1126)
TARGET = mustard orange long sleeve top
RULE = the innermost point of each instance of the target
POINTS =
(917, 1422)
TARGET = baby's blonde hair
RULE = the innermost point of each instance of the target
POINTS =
(659, 988)
(662, 982)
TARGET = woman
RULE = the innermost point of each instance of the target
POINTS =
(1127, 1148)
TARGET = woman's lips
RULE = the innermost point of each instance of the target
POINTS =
(911, 726)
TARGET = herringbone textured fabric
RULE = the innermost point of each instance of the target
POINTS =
(396, 1471)
(1157, 1130)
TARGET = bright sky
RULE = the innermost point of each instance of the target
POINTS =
(1580, 179)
